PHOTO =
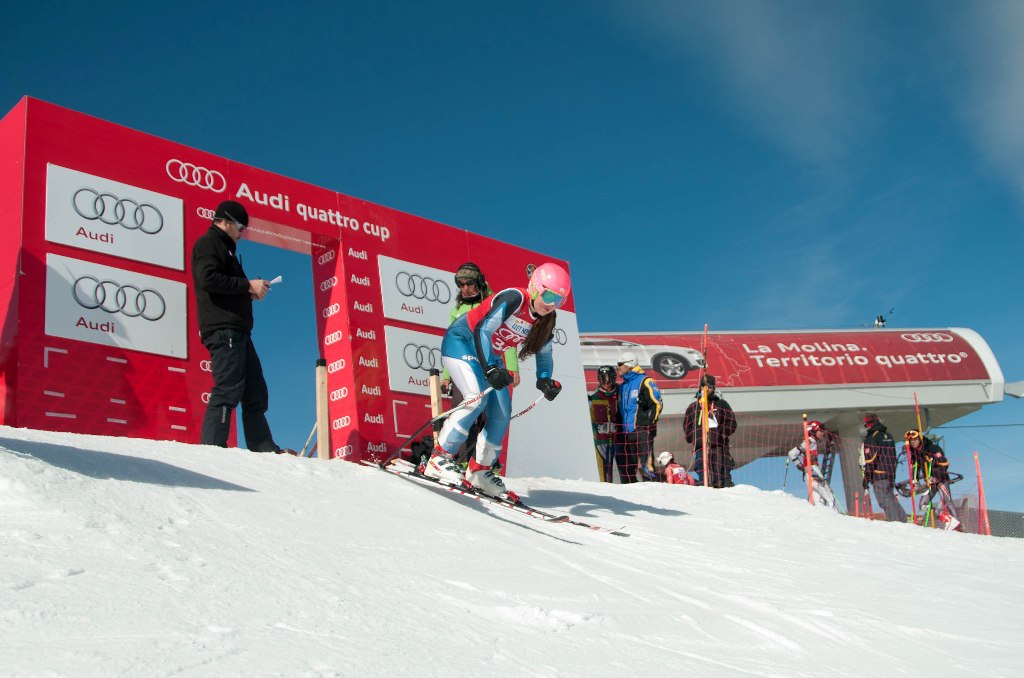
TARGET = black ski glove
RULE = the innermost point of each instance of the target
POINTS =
(549, 387)
(498, 377)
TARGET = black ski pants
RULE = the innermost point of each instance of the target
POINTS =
(237, 378)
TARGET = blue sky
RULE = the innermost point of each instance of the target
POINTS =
(751, 165)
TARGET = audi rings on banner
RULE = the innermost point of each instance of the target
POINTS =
(329, 283)
(194, 175)
(205, 366)
(422, 357)
(341, 422)
(560, 337)
(90, 204)
(927, 338)
(331, 310)
(336, 366)
(344, 451)
(112, 297)
(420, 287)
(333, 338)
(338, 394)
(205, 213)
(326, 257)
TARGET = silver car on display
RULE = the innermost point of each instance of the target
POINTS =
(671, 362)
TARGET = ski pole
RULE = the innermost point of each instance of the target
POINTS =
(308, 440)
(528, 408)
(785, 476)
(464, 403)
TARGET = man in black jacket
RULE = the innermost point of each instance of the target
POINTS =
(224, 297)
(721, 426)
(880, 467)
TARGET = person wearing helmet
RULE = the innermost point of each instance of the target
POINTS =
(932, 466)
(880, 467)
(798, 455)
(604, 404)
(640, 406)
(472, 351)
(721, 426)
(472, 290)
(674, 473)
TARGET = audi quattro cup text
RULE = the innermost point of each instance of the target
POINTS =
(280, 201)
(839, 355)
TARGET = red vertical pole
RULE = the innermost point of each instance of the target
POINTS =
(807, 464)
(983, 524)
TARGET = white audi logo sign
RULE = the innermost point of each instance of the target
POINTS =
(331, 310)
(193, 175)
(205, 397)
(205, 366)
(336, 365)
(341, 422)
(326, 257)
(205, 213)
(333, 338)
(338, 393)
(927, 338)
(345, 451)
(329, 283)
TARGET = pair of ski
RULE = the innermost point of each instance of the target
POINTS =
(407, 470)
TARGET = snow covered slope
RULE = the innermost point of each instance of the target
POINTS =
(131, 557)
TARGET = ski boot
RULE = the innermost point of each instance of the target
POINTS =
(485, 481)
(443, 468)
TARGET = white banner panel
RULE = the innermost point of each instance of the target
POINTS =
(93, 213)
(411, 355)
(554, 439)
(114, 307)
(415, 293)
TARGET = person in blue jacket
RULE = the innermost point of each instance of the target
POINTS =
(640, 406)
(473, 352)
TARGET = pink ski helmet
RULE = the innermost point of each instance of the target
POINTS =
(551, 283)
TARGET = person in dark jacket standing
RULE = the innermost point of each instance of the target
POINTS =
(224, 297)
(721, 426)
(880, 467)
(639, 407)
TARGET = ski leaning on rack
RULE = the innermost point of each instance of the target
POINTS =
(406, 470)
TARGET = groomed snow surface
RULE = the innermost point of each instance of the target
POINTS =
(139, 558)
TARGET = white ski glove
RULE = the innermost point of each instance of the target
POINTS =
(794, 454)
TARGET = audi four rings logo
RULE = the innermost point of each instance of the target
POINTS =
(338, 393)
(205, 366)
(325, 257)
(560, 337)
(421, 357)
(193, 175)
(110, 209)
(345, 451)
(418, 287)
(112, 297)
(331, 310)
(336, 365)
(329, 283)
(205, 397)
(927, 338)
(205, 213)
(341, 422)
(332, 338)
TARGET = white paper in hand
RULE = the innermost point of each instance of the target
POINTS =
(275, 280)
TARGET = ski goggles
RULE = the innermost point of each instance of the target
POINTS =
(553, 298)
(466, 282)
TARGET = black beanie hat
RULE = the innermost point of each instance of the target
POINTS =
(708, 380)
(232, 211)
